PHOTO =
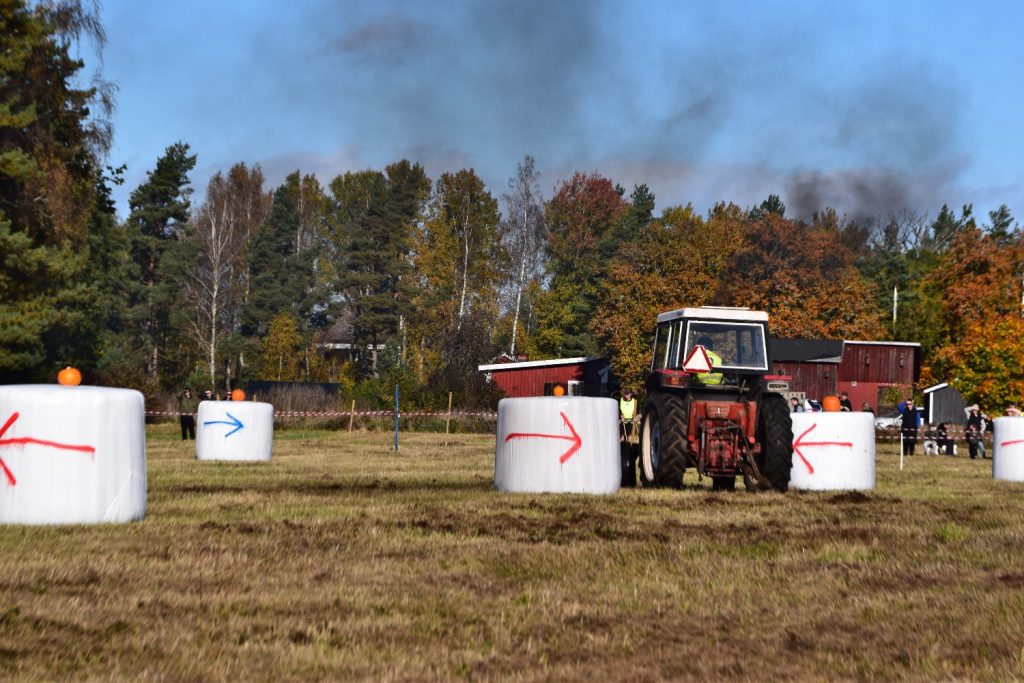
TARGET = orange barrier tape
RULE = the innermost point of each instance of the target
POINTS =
(955, 437)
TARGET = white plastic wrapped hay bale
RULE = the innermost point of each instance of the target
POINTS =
(234, 430)
(71, 454)
(833, 452)
(1008, 448)
(558, 445)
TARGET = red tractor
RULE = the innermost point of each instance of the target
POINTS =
(712, 404)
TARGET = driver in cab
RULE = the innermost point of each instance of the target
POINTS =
(716, 361)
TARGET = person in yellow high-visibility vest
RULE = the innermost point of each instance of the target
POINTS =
(716, 361)
(627, 413)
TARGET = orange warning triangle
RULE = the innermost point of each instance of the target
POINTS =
(698, 361)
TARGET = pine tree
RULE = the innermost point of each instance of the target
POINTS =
(370, 234)
(1002, 226)
(280, 275)
(110, 268)
(159, 210)
(48, 171)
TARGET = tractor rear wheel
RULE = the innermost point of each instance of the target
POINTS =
(775, 432)
(663, 440)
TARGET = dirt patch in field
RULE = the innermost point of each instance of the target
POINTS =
(1011, 579)
(323, 487)
(568, 527)
(856, 497)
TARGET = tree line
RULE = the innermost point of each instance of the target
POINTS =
(432, 277)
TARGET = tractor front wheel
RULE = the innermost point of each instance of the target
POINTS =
(775, 432)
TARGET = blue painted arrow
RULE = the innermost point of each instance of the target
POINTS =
(234, 421)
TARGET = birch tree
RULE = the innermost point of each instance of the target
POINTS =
(216, 281)
(458, 263)
(209, 275)
(459, 248)
(523, 231)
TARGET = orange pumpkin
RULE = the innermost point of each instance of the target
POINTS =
(237, 395)
(830, 404)
(69, 376)
(559, 390)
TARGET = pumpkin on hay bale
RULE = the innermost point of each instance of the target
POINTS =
(69, 376)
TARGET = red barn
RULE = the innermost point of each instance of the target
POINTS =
(870, 368)
(863, 369)
(584, 376)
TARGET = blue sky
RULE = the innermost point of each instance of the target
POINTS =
(868, 107)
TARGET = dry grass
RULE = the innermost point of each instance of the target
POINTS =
(341, 560)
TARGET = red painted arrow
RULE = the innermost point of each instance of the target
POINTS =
(1010, 443)
(800, 442)
(25, 440)
(575, 438)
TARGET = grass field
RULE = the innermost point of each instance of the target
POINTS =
(341, 560)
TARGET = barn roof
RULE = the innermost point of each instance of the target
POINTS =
(493, 367)
(340, 331)
(805, 350)
(883, 343)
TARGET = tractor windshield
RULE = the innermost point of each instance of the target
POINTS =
(740, 346)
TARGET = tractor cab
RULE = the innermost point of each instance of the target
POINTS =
(733, 339)
(738, 338)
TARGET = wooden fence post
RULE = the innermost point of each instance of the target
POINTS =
(351, 416)
(449, 418)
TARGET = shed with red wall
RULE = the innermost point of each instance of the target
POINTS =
(863, 369)
(869, 368)
(812, 364)
(586, 376)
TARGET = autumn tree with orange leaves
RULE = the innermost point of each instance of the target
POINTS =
(804, 277)
(983, 351)
(580, 216)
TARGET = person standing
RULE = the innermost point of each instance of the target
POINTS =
(1013, 410)
(795, 406)
(910, 420)
(627, 414)
(844, 403)
(187, 406)
(975, 432)
(867, 408)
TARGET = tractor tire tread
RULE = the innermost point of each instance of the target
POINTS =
(777, 444)
(674, 433)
